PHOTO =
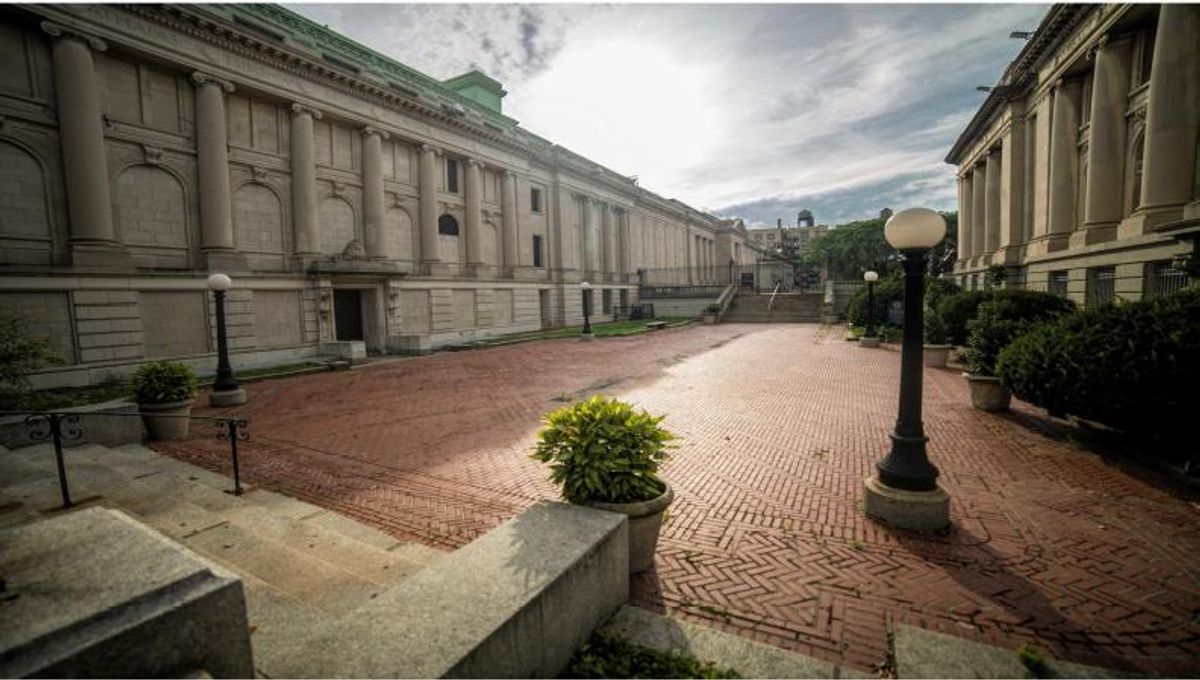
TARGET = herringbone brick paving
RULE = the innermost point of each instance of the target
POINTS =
(779, 426)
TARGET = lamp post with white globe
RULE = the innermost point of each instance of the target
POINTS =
(870, 338)
(225, 389)
(904, 491)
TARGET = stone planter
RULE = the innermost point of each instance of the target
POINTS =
(161, 428)
(936, 356)
(868, 341)
(987, 394)
(710, 318)
(645, 520)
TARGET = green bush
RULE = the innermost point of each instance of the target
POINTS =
(1134, 367)
(603, 450)
(609, 656)
(164, 382)
(20, 355)
(935, 328)
(713, 308)
(1001, 320)
(958, 309)
(891, 290)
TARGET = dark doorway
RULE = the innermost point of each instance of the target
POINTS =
(347, 314)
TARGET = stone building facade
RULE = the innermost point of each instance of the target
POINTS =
(790, 242)
(349, 197)
(1083, 160)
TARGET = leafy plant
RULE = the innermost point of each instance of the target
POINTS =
(603, 450)
(1032, 660)
(610, 656)
(990, 333)
(20, 355)
(713, 308)
(164, 382)
(935, 328)
(891, 290)
(958, 309)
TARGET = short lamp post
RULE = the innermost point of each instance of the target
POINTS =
(587, 303)
(904, 492)
(225, 389)
(870, 338)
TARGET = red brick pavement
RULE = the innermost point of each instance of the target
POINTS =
(779, 427)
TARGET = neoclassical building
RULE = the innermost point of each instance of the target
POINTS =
(1083, 162)
(350, 197)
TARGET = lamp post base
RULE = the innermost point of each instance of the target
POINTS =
(227, 397)
(868, 341)
(925, 511)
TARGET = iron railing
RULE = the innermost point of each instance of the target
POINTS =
(761, 277)
(63, 426)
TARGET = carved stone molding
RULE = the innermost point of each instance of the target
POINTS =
(60, 31)
(200, 78)
(429, 148)
(152, 154)
(338, 188)
(368, 130)
(258, 174)
(302, 109)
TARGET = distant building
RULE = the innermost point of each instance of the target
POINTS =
(1081, 170)
(791, 242)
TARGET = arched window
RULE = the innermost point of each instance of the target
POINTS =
(1135, 191)
(447, 225)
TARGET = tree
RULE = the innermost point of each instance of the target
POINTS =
(850, 249)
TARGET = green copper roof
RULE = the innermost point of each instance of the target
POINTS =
(340, 51)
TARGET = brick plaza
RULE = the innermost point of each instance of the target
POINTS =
(1088, 559)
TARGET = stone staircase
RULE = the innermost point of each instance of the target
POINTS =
(301, 565)
(787, 308)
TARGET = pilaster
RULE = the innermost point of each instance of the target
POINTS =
(373, 210)
(429, 211)
(304, 181)
(1104, 200)
(212, 155)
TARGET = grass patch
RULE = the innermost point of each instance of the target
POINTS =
(601, 330)
(609, 656)
(1032, 660)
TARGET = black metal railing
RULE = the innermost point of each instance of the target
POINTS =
(63, 426)
(760, 277)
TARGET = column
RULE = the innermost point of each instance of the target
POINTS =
(623, 244)
(1173, 109)
(81, 133)
(991, 200)
(212, 160)
(1012, 187)
(1064, 162)
(474, 218)
(587, 247)
(429, 212)
(304, 180)
(606, 240)
(1103, 206)
(508, 220)
(690, 251)
(979, 211)
(966, 206)
(374, 231)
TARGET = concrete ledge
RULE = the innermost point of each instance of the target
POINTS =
(345, 349)
(926, 654)
(94, 593)
(97, 429)
(516, 602)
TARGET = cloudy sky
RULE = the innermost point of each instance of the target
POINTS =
(747, 110)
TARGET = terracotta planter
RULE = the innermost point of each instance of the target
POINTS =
(987, 394)
(937, 355)
(160, 428)
(645, 520)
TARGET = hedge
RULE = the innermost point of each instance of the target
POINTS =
(958, 309)
(1134, 367)
(891, 290)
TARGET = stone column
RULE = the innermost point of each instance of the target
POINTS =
(991, 200)
(585, 207)
(606, 240)
(1064, 163)
(374, 229)
(966, 206)
(212, 160)
(508, 221)
(979, 211)
(429, 210)
(1103, 206)
(304, 180)
(81, 134)
(1012, 189)
(1173, 109)
(691, 252)
(622, 243)
(474, 219)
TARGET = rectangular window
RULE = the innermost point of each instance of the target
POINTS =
(451, 176)
(1146, 56)
(1163, 279)
(1058, 284)
(537, 250)
(535, 200)
(606, 300)
(1101, 285)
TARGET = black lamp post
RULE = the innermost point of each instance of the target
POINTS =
(869, 338)
(225, 389)
(905, 492)
(587, 303)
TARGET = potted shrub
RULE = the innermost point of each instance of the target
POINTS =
(710, 313)
(164, 391)
(604, 454)
(988, 335)
(937, 349)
